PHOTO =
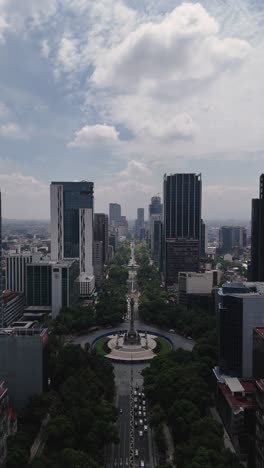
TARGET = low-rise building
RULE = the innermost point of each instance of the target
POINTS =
(54, 284)
(13, 307)
(237, 409)
(195, 289)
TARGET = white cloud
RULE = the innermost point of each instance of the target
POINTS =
(94, 134)
(29, 200)
(3, 27)
(135, 169)
(27, 14)
(184, 45)
(13, 131)
(45, 48)
(4, 111)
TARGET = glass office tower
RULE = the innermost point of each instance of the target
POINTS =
(67, 198)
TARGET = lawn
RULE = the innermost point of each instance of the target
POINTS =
(163, 346)
(101, 346)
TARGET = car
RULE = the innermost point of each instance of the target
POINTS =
(144, 402)
(121, 462)
(145, 428)
(144, 414)
(135, 400)
(135, 406)
(121, 411)
(145, 420)
(140, 408)
(189, 338)
(136, 452)
(142, 464)
(139, 394)
(136, 423)
(171, 330)
(140, 433)
(135, 393)
(143, 395)
(135, 414)
(140, 414)
(141, 422)
(144, 408)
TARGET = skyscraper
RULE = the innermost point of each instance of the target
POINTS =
(231, 237)
(114, 214)
(257, 235)
(139, 225)
(101, 232)
(182, 225)
(155, 206)
(71, 209)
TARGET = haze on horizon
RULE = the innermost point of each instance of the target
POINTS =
(121, 91)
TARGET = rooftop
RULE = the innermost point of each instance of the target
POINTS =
(260, 331)
(23, 328)
(237, 392)
(260, 384)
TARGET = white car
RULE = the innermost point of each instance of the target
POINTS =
(139, 414)
(141, 422)
(142, 464)
(145, 428)
(136, 452)
(144, 402)
(140, 433)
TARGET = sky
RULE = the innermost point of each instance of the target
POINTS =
(120, 92)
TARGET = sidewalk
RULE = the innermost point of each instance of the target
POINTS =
(170, 446)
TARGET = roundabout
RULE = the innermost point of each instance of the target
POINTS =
(112, 346)
(132, 345)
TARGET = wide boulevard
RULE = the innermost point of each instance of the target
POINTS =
(136, 447)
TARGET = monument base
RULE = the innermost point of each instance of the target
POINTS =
(132, 337)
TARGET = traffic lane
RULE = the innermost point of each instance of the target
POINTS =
(121, 451)
(178, 340)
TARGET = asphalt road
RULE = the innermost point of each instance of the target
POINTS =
(127, 377)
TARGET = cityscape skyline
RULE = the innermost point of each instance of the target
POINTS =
(72, 107)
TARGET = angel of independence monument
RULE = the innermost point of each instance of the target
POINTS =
(132, 337)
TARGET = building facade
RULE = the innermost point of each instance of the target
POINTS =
(13, 307)
(231, 237)
(236, 406)
(16, 270)
(258, 353)
(53, 284)
(114, 214)
(182, 225)
(259, 437)
(240, 309)
(195, 289)
(24, 362)
(98, 263)
(257, 235)
(101, 233)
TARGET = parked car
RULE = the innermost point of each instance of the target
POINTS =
(140, 433)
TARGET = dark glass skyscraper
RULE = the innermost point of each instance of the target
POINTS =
(114, 214)
(101, 232)
(182, 225)
(67, 199)
(257, 235)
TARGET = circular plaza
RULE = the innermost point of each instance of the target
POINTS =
(116, 347)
